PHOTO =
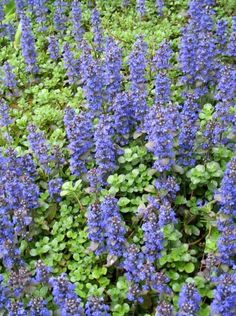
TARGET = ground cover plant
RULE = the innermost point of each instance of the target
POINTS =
(117, 160)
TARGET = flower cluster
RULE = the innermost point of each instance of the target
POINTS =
(65, 296)
(163, 83)
(188, 130)
(142, 275)
(198, 48)
(114, 227)
(105, 151)
(166, 213)
(126, 3)
(225, 95)
(160, 133)
(20, 6)
(122, 118)
(97, 30)
(133, 260)
(93, 180)
(96, 227)
(96, 306)
(162, 88)
(5, 118)
(9, 79)
(54, 188)
(3, 293)
(2, 13)
(16, 308)
(167, 187)
(227, 213)
(53, 48)
(106, 227)
(38, 307)
(41, 11)
(43, 272)
(40, 148)
(19, 196)
(28, 45)
(79, 133)
(231, 47)
(137, 66)
(113, 64)
(72, 65)
(60, 17)
(19, 280)
(189, 300)
(164, 309)
(153, 236)
(139, 265)
(222, 35)
(141, 7)
(91, 72)
(115, 233)
(78, 30)
(160, 6)
(161, 60)
(224, 302)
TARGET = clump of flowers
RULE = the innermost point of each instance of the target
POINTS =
(227, 213)
(91, 72)
(65, 296)
(113, 64)
(97, 30)
(28, 45)
(53, 48)
(54, 189)
(141, 7)
(96, 306)
(78, 30)
(72, 65)
(224, 302)
(60, 17)
(105, 151)
(137, 65)
(40, 148)
(79, 132)
(189, 300)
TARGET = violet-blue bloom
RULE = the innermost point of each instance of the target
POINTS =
(72, 65)
(113, 64)
(96, 306)
(53, 48)
(9, 79)
(189, 300)
(137, 65)
(79, 132)
(65, 297)
(224, 302)
(105, 151)
(60, 17)
(97, 30)
(78, 30)
(28, 45)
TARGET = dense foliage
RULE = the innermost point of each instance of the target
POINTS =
(117, 159)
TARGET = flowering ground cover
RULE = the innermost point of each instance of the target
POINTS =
(117, 159)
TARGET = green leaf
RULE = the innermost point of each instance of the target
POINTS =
(212, 166)
(189, 267)
(45, 249)
(121, 159)
(123, 201)
(33, 252)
